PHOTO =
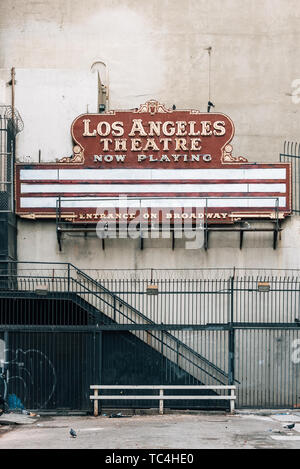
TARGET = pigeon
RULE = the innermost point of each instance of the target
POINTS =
(290, 426)
(73, 433)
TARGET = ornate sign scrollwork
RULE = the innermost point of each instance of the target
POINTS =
(76, 158)
(152, 107)
(228, 158)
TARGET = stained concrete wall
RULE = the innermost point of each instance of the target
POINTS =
(154, 49)
(37, 241)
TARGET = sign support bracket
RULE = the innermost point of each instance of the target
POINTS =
(64, 227)
(241, 239)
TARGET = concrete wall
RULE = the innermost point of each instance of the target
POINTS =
(154, 49)
(37, 241)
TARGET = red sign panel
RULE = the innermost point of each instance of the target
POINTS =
(155, 163)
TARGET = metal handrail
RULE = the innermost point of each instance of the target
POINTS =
(178, 343)
(149, 321)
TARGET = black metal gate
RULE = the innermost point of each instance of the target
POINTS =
(48, 369)
(62, 330)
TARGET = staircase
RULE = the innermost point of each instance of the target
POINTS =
(106, 308)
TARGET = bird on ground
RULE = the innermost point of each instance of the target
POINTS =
(289, 426)
(73, 433)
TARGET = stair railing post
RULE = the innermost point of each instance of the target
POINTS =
(231, 336)
(115, 308)
(69, 278)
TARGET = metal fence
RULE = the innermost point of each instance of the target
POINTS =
(237, 329)
(6, 165)
(10, 124)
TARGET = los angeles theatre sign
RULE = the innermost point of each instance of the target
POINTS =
(155, 163)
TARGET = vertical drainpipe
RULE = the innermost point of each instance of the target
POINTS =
(13, 143)
(13, 73)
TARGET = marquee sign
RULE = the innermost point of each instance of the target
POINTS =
(176, 163)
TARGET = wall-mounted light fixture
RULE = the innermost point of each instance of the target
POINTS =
(263, 286)
(41, 289)
(152, 290)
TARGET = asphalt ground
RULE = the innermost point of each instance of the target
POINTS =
(171, 433)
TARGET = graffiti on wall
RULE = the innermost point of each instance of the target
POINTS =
(27, 376)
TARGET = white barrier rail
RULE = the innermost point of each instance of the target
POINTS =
(161, 397)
